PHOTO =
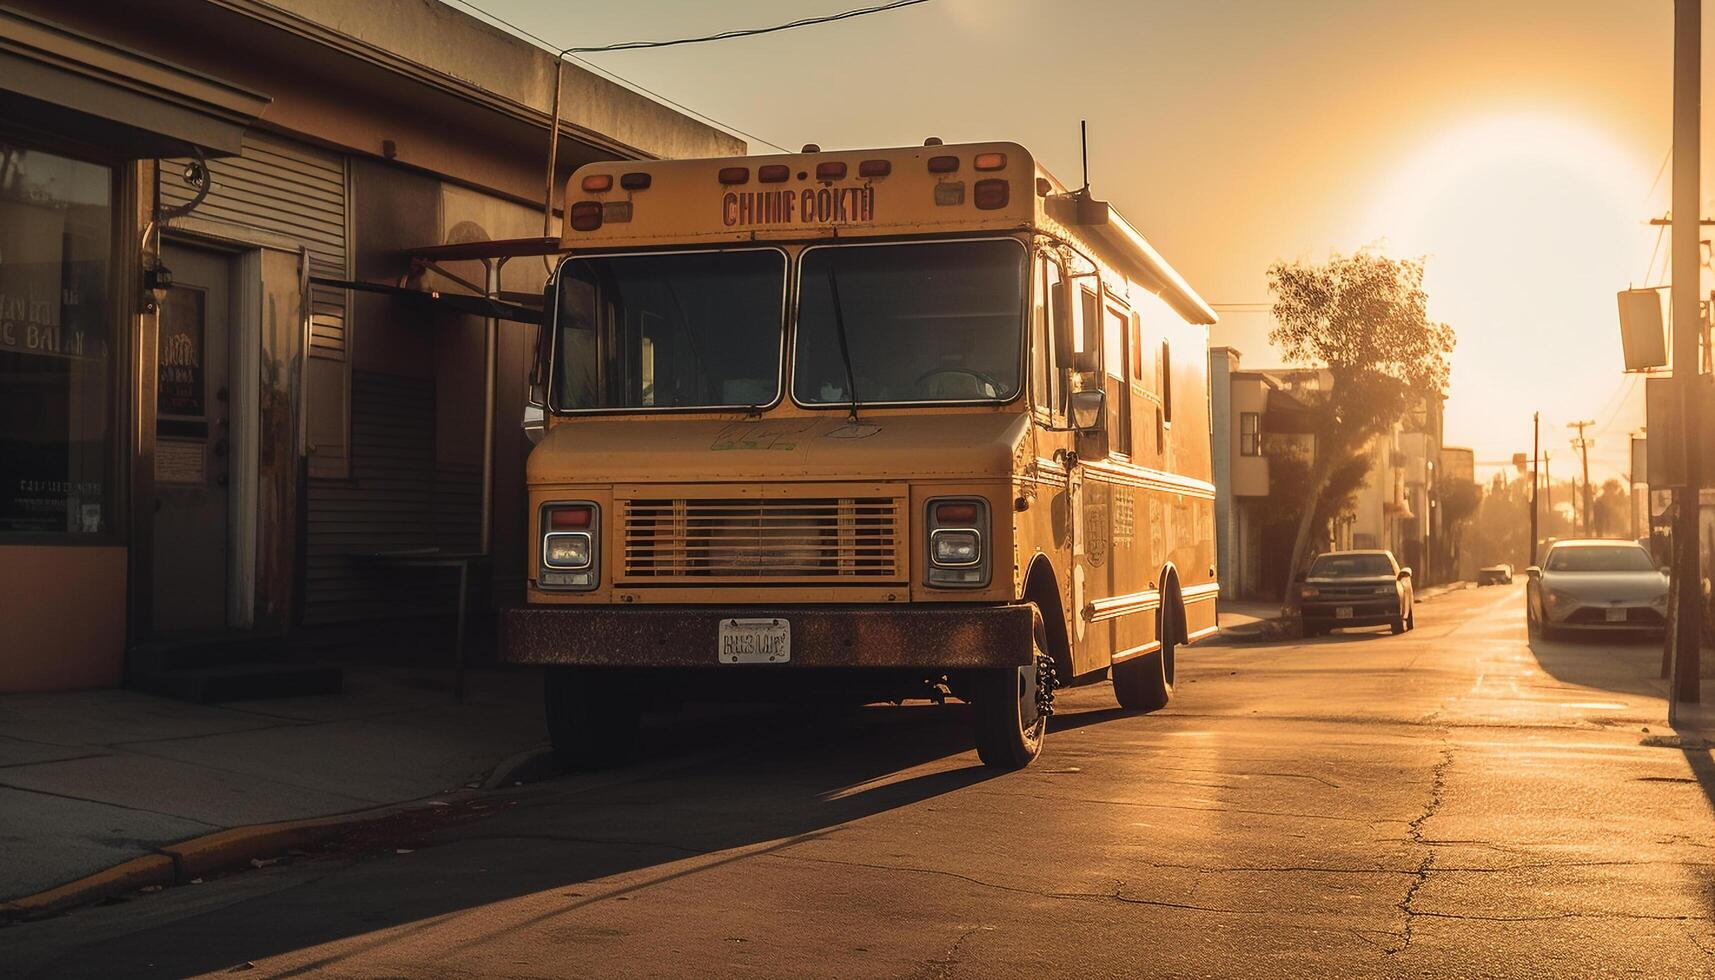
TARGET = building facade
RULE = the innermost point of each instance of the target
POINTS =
(1262, 415)
(203, 435)
(1255, 419)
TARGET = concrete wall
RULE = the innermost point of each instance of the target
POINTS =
(1222, 362)
(449, 41)
(63, 617)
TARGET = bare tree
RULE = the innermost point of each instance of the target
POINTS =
(1363, 317)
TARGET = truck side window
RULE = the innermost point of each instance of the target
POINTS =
(1088, 341)
(1166, 383)
(1045, 337)
(1115, 326)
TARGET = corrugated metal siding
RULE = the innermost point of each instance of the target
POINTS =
(290, 190)
(396, 498)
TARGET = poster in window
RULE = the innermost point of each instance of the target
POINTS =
(180, 385)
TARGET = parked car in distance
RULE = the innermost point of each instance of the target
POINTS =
(1501, 574)
(1355, 588)
(1595, 585)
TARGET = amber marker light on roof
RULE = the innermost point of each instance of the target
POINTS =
(774, 173)
(989, 161)
(943, 165)
(735, 175)
(596, 183)
(833, 170)
(875, 168)
(635, 181)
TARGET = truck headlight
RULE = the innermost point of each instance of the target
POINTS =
(1308, 592)
(569, 550)
(958, 557)
(956, 548)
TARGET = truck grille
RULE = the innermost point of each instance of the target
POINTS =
(828, 537)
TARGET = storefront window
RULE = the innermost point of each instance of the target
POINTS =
(56, 438)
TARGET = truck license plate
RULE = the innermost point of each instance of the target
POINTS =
(1616, 615)
(755, 641)
(1342, 612)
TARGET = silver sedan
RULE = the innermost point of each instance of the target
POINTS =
(1595, 585)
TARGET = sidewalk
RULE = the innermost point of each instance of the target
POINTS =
(91, 779)
(1252, 621)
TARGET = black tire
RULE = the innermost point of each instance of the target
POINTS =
(1005, 712)
(591, 724)
(1313, 629)
(1411, 617)
(1146, 683)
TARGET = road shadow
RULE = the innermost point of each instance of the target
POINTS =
(776, 778)
(1627, 663)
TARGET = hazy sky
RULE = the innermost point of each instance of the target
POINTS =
(1515, 145)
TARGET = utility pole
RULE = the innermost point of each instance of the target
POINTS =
(1583, 446)
(1535, 478)
(1547, 485)
(1687, 579)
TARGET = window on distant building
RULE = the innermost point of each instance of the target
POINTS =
(1250, 434)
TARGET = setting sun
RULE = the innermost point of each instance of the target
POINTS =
(1530, 221)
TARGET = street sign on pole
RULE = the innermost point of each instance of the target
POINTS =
(1642, 339)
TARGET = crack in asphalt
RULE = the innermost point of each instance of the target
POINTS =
(1552, 916)
(1443, 870)
(943, 967)
(1407, 905)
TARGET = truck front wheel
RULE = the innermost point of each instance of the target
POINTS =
(1010, 708)
(592, 722)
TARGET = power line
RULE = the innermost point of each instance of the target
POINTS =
(615, 76)
(749, 31)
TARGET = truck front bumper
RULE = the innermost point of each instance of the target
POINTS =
(936, 638)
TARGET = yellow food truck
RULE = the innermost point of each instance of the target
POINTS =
(867, 425)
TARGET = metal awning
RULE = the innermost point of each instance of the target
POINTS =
(65, 82)
(463, 303)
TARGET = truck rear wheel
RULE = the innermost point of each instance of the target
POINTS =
(1009, 708)
(591, 724)
(1146, 683)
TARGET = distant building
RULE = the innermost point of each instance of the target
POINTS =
(196, 442)
(1396, 508)
(1253, 416)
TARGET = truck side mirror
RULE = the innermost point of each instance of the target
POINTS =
(1088, 408)
(1405, 572)
(1533, 572)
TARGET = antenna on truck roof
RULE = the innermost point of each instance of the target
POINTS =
(1084, 150)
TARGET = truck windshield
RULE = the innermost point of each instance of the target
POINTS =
(670, 330)
(924, 322)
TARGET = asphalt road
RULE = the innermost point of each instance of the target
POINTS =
(1450, 802)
